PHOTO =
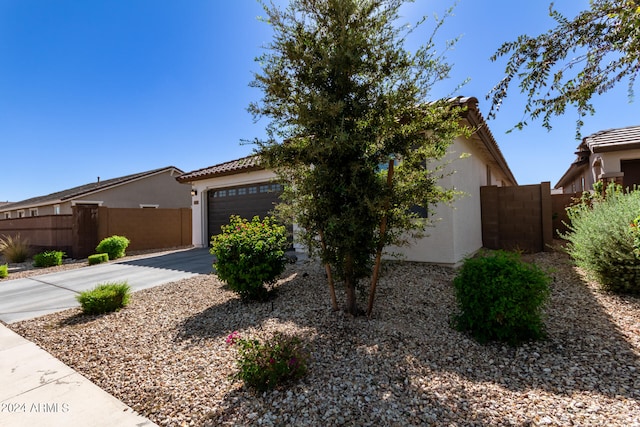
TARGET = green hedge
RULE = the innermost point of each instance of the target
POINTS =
(4, 271)
(48, 259)
(98, 258)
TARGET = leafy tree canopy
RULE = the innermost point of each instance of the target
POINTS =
(569, 64)
(351, 104)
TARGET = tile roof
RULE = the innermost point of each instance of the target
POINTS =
(244, 164)
(72, 193)
(613, 139)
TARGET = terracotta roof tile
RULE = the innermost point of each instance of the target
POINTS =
(244, 164)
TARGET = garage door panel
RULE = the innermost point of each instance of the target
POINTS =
(245, 201)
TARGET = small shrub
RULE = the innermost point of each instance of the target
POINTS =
(105, 298)
(15, 249)
(98, 258)
(266, 365)
(250, 255)
(115, 246)
(4, 271)
(48, 259)
(500, 298)
(603, 240)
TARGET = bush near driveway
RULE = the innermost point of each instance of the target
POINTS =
(115, 246)
(105, 298)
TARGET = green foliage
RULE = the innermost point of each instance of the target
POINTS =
(4, 271)
(347, 97)
(266, 365)
(48, 259)
(98, 258)
(500, 298)
(115, 246)
(105, 298)
(15, 249)
(577, 59)
(602, 239)
(250, 255)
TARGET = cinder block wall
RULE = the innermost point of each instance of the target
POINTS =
(517, 218)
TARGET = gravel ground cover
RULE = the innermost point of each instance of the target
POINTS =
(165, 355)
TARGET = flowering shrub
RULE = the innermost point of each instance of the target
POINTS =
(266, 365)
(250, 255)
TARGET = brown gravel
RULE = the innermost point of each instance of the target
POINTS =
(165, 355)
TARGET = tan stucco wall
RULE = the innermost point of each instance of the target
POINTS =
(161, 189)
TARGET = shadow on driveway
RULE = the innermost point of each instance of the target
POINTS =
(197, 261)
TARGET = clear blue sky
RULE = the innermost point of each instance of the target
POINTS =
(108, 88)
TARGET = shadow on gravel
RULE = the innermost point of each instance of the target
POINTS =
(408, 348)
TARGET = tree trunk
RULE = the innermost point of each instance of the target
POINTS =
(327, 269)
(351, 305)
(383, 231)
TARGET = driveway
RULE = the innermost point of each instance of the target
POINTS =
(35, 296)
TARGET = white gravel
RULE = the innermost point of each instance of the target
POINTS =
(165, 355)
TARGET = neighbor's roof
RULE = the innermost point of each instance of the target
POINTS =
(487, 144)
(83, 190)
(613, 139)
(245, 164)
(626, 138)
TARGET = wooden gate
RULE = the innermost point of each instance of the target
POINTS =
(85, 230)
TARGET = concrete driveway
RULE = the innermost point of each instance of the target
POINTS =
(35, 296)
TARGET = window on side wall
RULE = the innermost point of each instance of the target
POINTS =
(56, 209)
(21, 214)
(33, 212)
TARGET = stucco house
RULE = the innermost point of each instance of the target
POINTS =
(611, 155)
(245, 188)
(151, 189)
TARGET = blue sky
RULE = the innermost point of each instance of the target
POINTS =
(108, 88)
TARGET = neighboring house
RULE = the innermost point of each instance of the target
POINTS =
(243, 187)
(610, 155)
(152, 189)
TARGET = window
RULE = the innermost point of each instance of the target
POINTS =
(7, 215)
(56, 209)
(33, 212)
(253, 190)
(232, 192)
(143, 206)
(264, 189)
(20, 214)
(242, 191)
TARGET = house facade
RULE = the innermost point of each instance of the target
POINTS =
(152, 189)
(611, 155)
(244, 187)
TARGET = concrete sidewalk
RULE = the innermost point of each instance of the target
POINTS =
(39, 390)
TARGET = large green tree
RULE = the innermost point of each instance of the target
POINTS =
(351, 131)
(572, 62)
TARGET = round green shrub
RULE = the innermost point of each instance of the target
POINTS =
(97, 259)
(602, 239)
(114, 246)
(48, 259)
(250, 255)
(4, 271)
(500, 298)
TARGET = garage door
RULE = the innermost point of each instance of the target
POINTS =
(246, 201)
